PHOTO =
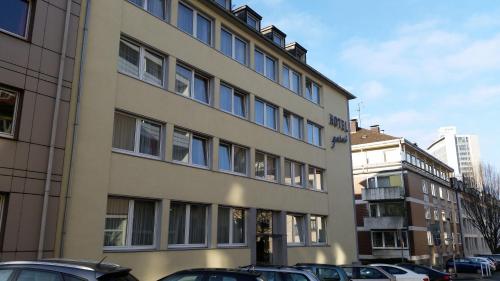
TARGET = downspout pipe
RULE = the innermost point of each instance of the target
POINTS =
(53, 134)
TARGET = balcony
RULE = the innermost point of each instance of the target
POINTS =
(383, 223)
(383, 193)
(390, 253)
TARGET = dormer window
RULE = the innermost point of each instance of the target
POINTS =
(252, 22)
(278, 40)
(248, 16)
(226, 4)
(275, 35)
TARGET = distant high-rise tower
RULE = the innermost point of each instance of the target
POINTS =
(461, 152)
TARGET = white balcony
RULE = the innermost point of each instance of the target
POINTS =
(383, 223)
(383, 193)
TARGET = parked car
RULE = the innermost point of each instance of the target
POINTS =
(212, 274)
(67, 270)
(325, 272)
(282, 273)
(492, 257)
(401, 273)
(434, 274)
(363, 272)
(485, 261)
(464, 265)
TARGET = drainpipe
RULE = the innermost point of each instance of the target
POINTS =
(55, 118)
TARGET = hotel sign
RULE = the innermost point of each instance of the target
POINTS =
(342, 125)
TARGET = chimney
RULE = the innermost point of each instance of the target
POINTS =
(375, 128)
(354, 125)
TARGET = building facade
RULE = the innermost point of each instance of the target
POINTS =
(37, 54)
(202, 139)
(405, 206)
(461, 152)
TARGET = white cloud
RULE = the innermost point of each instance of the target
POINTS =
(482, 21)
(371, 90)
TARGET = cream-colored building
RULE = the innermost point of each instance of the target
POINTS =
(202, 140)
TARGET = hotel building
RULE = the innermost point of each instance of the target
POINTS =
(405, 206)
(202, 139)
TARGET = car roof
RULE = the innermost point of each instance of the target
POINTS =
(392, 265)
(316, 264)
(421, 266)
(228, 270)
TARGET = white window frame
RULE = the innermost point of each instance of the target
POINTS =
(314, 84)
(137, 137)
(142, 63)
(195, 24)
(187, 227)
(257, 27)
(194, 73)
(396, 237)
(322, 171)
(291, 72)
(233, 46)
(430, 239)
(277, 160)
(323, 218)
(265, 56)
(232, 146)
(436, 215)
(441, 195)
(448, 195)
(231, 228)
(291, 128)
(245, 100)
(130, 224)
(320, 131)
(304, 230)
(443, 215)
(145, 8)
(425, 189)
(28, 23)
(427, 213)
(433, 190)
(15, 115)
(276, 111)
(292, 173)
(190, 157)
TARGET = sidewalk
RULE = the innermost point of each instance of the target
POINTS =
(470, 276)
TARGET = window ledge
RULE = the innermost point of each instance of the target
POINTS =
(232, 246)
(296, 245)
(186, 247)
(191, 165)
(141, 80)
(128, 249)
(140, 155)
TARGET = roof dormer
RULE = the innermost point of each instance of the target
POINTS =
(296, 50)
(226, 4)
(249, 16)
(274, 34)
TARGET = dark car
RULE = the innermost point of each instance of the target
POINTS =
(212, 274)
(63, 270)
(434, 275)
(492, 257)
(325, 272)
(281, 273)
(464, 265)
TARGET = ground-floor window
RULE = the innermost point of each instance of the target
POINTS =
(187, 225)
(389, 239)
(231, 226)
(295, 229)
(318, 229)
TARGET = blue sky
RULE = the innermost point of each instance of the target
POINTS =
(415, 65)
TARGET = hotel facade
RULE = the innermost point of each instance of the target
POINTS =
(202, 139)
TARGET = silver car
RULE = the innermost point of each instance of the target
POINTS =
(363, 273)
(282, 273)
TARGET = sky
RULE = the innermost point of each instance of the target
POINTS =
(414, 65)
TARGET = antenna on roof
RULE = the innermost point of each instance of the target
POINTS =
(99, 263)
(359, 112)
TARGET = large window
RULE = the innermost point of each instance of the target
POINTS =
(292, 125)
(383, 181)
(192, 84)
(389, 209)
(313, 134)
(294, 173)
(137, 135)
(231, 226)
(266, 166)
(318, 229)
(266, 114)
(130, 223)
(9, 101)
(194, 23)
(233, 101)
(233, 46)
(233, 158)
(187, 225)
(389, 239)
(315, 178)
(155, 7)
(312, 91)
(141, 63)
(265, 65)
(295, 229)
(190, 148)
(15, 17)
(291, 79)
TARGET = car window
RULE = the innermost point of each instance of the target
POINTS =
(393, 270)
(184, 277)
(68, 277)
(327, 274)
(37, 275)
(5, 274)
(295, 277)
(370, 273)
(221, 277)
(348, 271)
(419, 270)
(270, 276)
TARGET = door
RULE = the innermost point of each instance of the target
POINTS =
(264, 239)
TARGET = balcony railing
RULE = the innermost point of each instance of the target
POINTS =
(383, 193)
(390, 253)
(383, 223)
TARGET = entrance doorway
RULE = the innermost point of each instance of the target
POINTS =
(270, 245)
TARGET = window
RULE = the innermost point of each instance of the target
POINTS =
(318, 229)
(427, 213)
(425, 189)
(233, 46)
(190, 148)
(433, 190)
(389, 239)
(233, 158)
(265, 65)
(130, 223)
(233, 101)
(231, 226)
(194, 23)
(266, 166)
(389, 209)
(187, 224)
(278, 40)
(295, 229)
(441, 195)
(15, 17)
(313, 134)
(291, 79)
(137, 135)
(436, 215)
(155, 7)
(292, 125)
(141, 63)
(430, 241)
(294, 173)
(224, 3)
(315, 178)
(9, 101)
(443, 215)
(253, 22)
(191, 84)
(312, 91)
(266, 114)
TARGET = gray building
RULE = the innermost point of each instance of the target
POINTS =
(35, 83)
